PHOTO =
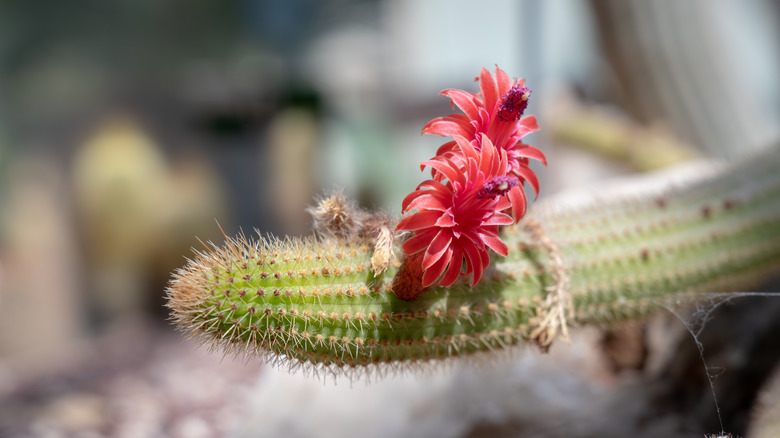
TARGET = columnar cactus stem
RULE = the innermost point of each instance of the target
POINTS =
(318, 301)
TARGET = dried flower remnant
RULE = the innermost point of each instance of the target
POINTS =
(335, 215)
(383, 250)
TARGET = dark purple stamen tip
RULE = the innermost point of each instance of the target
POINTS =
(513, 104)
(497, 186)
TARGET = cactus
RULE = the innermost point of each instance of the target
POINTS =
(317, 301)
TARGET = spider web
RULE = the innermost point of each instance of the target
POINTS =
(695, 322)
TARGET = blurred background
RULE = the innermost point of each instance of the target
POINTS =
(130, 129)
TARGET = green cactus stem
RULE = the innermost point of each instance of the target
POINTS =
(317, 300)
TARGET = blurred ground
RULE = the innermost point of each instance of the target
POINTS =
(136, 380)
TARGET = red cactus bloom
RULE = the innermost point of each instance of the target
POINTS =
(457, 216)
(496, 111)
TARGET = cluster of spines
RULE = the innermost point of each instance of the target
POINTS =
(318, 301)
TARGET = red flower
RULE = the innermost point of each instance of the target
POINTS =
(476, 180)
(458, 214)
(495, 111)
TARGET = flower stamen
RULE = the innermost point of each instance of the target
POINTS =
(513, 104)
(497, 186)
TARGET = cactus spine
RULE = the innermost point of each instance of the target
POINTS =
(317, 301)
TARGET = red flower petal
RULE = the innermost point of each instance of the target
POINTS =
(495, 243)
(499, 219)
(438, 246)
(428, 202)
(423, 219)
(432, 273)
(525, 173)
(474, 263)
(527, 125)
(519, 203)
(489, 88)
(419, 241)
(446, 220)
(443, 166)
(463, 100)
(454, 124)
(524, 150)
(454, 268)
(445, 148)
(503, 81)
(411, 197)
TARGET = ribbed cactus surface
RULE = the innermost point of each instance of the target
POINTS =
(317, 300)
